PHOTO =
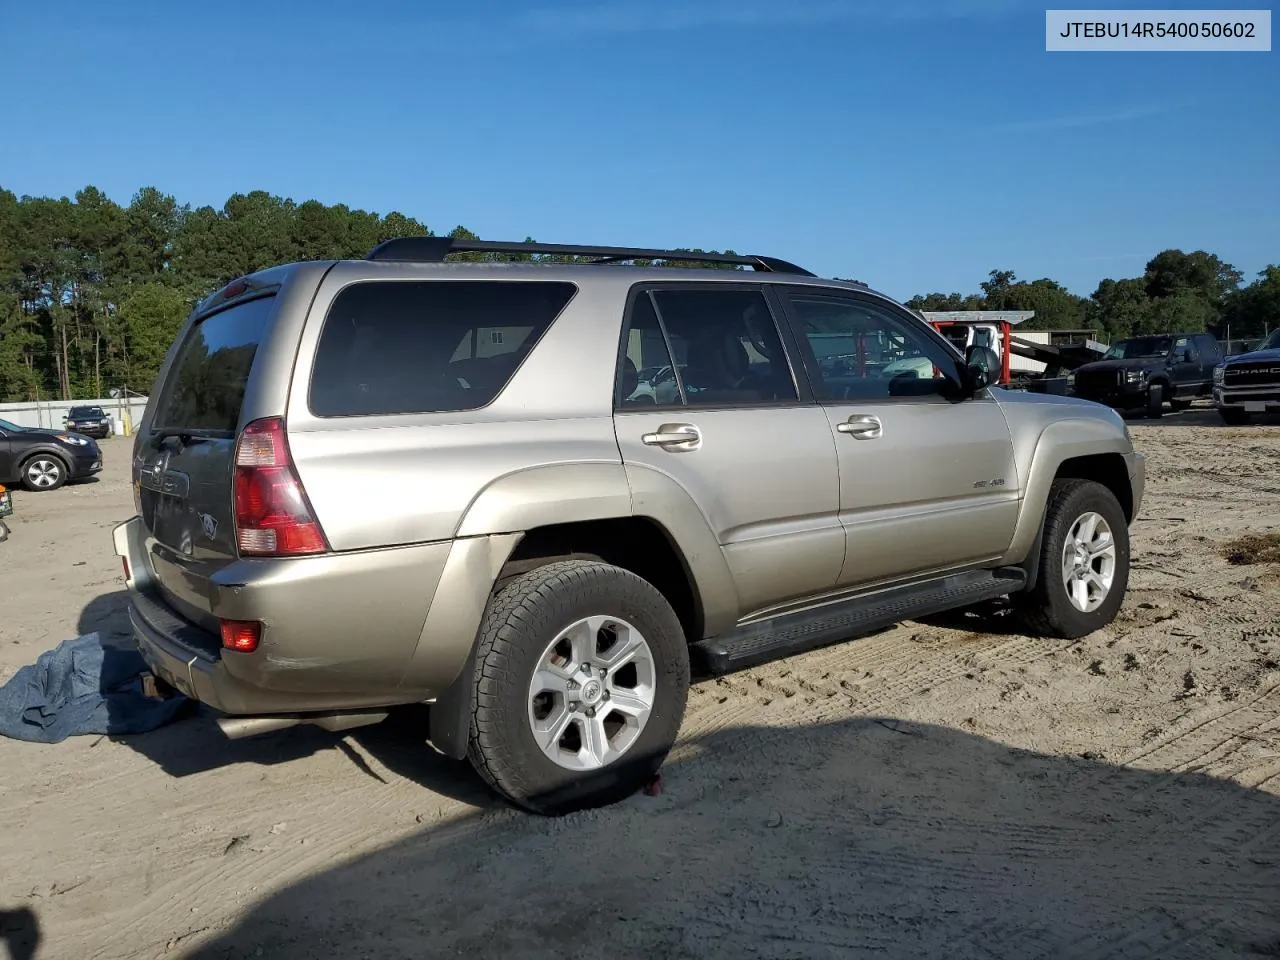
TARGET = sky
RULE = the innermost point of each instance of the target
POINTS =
(913, 144)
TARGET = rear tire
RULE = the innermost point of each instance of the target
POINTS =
(1081, 518)
(43, 472)
(1233, 416)
(1155, 401)
(551, 736)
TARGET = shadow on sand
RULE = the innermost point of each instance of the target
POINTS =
(1201, 416)
(20, 933)
(862, 837)
(868, 837)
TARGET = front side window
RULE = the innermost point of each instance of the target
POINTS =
(712, 347)
(864, 352)
(428, 346)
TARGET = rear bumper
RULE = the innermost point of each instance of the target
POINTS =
(338, 631)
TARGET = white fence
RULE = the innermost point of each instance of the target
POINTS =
(52, 413)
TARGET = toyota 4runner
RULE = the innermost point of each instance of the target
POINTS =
(361, 484)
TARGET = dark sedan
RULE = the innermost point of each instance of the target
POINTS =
(44, 459)
(90, 421)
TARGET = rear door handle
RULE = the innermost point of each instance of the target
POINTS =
(674, 436)
(862, 427)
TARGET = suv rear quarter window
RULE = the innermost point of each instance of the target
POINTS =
(205, 388)
(427, 346)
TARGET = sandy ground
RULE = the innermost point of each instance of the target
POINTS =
(944, 789)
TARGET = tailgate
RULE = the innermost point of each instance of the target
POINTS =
(185, 466)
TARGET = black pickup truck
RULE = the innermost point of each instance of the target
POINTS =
(1143, 373)
(1249, 383)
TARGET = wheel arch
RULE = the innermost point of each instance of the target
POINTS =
(633, 517)
(45, 450)
(1081, 449)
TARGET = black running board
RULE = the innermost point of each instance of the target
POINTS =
(794, 633)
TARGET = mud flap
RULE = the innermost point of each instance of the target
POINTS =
(1032, 564)
(449, 716)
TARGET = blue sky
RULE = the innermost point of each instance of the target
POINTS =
(914, 144)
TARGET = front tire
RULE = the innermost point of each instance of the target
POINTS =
(44, 472)
(581, 681)
(1155, 401)
(1083, 563)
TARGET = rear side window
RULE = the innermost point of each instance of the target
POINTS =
(727, 351)
(205, 388)
(433, 346)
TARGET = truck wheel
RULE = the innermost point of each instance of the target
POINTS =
(1234, 416)
(581, 680)
(1155, 401)
(1084, 562)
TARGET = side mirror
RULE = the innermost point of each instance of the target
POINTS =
(982, 368)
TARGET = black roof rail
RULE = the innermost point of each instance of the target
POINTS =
(435, 249)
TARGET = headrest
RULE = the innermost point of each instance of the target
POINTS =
(721, 356)
(630, 377)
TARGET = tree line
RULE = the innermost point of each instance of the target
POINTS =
(92, 293)
(1177, 292)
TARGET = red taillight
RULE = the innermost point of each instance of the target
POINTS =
(125, 561)
(273, 517)
(241, 635)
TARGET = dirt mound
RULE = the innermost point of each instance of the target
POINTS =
(1253, 548)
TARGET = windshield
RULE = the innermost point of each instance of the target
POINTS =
(1140, 347)
(8, 427)
(85, 413)
(1272, 342)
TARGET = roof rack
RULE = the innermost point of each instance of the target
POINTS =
(435, 249)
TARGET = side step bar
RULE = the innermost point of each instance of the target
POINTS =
(794, 633)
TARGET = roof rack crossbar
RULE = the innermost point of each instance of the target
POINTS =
(436, 249)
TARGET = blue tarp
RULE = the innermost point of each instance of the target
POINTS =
(82, 686)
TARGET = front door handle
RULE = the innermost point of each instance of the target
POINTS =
(862, 427)
(674, 436)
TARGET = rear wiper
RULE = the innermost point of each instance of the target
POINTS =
(186, 435)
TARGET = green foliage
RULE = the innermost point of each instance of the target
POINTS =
(92, 292)
(1177, 292)
(151, 314)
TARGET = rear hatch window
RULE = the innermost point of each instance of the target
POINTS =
(185, 477)
(398, 347)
